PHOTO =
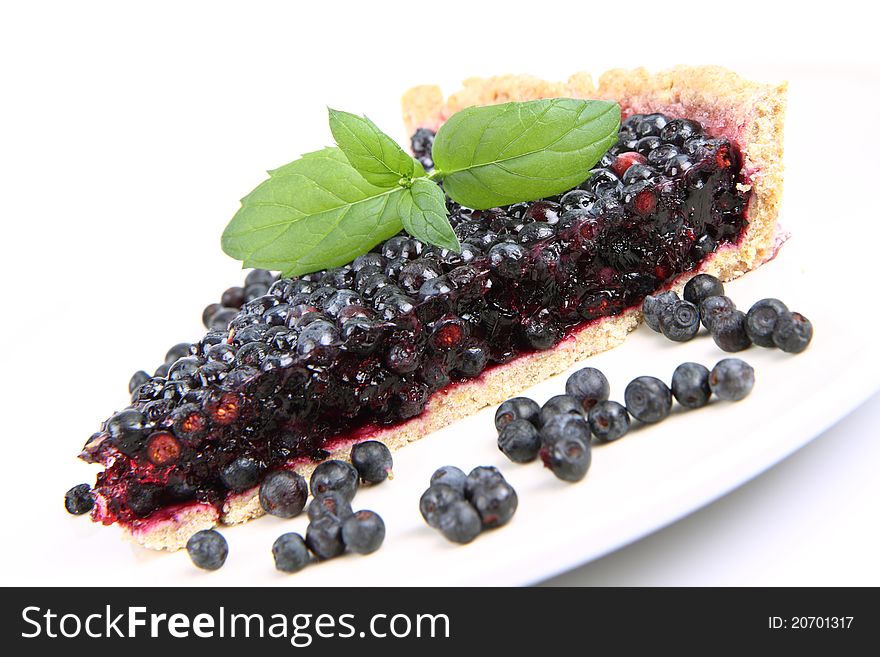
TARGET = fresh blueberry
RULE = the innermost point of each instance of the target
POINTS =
(137, 380)
(372, 460)
(436, 500)
(329, 503)
(563, 426)
(460, 522)
(560, 405)
(259, 277)
(496, 503)
(207, 549)
(589, 386)
(761, 320)
(517, 408)
(324, 537)
(79, 500)
(690, 385)
(209, 312)
(291, 553)
(519, 441)
(608, 421)
(363, 532)
(792, 332)
(732, 379)
(568, 458)
(653, 306)
(177, 352)
(680, 321)
(481, 476)
(729, 331)
(283, 493)
(701, 287)
(221, 318)
(713, 308)
(648, 399)
(450, 476)
(336, 476)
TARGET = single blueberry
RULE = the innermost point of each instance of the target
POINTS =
(792, 332)
(207, 549)
(79, 500)
(242, 473)
(564, 426)
(653, 305)
(690, 385)
(608, 421)
(732, 379)
(336, 476)
(517, 408)
(283, 493)
(460, 522)
(680, 321)
(761, 320)
(450, 476)
(588, 385)
(324, 537)
(208, 314)
(483, 475)
(137, 380)
(363, 532)
(372, 460)
(729, 331)
(329, 503)
(259, 277)
(519, 441)
(648, 399)
(291, 553)
(496, 503)
(568, 458)
(713, 308)
(560, 405)
(701, 287)
(436, 500)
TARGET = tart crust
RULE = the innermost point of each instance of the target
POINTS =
(748, 113)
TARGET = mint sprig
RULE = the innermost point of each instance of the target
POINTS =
(329, 206)
(375, 155)
(504, 154)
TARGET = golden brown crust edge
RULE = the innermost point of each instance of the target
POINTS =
(752, 114)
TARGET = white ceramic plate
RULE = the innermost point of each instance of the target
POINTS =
(652, 477)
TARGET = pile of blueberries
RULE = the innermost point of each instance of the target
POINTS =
(768, 323)
(461, 506)
(561, 430)
(333, 526)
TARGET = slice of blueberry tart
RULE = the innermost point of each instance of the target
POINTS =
(410, 337)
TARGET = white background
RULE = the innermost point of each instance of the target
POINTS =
(128, 132)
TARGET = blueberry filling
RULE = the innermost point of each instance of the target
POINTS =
(289, 365)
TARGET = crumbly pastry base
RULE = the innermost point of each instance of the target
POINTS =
(745, 112)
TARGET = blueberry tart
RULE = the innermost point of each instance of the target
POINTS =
(409, 337)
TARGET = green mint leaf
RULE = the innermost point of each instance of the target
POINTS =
(521, 151)
(424, 215)
(374, 154)
(313, 213)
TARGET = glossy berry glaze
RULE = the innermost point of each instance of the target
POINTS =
(341, 352)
